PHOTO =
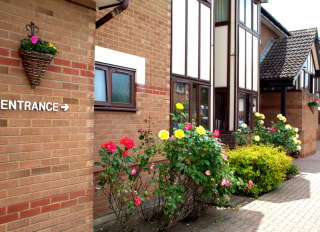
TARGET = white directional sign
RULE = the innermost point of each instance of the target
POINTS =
(28, 105)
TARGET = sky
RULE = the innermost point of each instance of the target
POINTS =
(295, 14)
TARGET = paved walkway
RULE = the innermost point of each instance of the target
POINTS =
(294, 206)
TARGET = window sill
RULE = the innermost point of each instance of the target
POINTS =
(100, 108)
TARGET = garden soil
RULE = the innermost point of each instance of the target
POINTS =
(209, 216)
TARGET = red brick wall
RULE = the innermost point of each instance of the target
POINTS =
(266, 35)
(298, 115)
(46, 157)
(143, 30)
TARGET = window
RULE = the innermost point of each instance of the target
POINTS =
(249, 14)
(195, 100)
(222, 11)
(247, 106)
(114, 88)
(221, 111)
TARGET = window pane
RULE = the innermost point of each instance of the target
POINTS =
(241, 109)
(194, 105)
(221, 10)
(248, 110)
(204, 108)
(221, 111)
(181, 94)
(241, 10)
(248, 13)
(306, 80)
(121, 89)
(254, 105)
(100, 86)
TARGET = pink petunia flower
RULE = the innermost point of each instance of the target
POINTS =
(34, 39)
(216, 133)
(188, 126)
(207, 172)
(133, 172)
(250, 184)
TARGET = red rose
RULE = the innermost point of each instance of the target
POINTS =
(127, 142)
(137, 201)
(110, 146)
(125, 153)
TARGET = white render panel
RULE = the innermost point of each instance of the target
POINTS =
(193, 38)
(221, 56)
(205, 43)
(178, 36)
(126, 60)
(255, 62)
(242, 57)
(249, 61)
(232, 103)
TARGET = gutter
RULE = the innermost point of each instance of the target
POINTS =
(116, 11)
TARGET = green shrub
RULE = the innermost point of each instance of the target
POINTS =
(265, 165)
(292, 171)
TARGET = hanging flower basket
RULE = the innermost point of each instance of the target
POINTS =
(36, 55)
(313, 104)
(35, 65)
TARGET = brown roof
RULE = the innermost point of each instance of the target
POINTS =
(287, 55)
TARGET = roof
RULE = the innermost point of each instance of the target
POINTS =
(275, 23)
(287, 55)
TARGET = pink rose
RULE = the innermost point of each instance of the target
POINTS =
(225, 182)
(250, 184)
(133, 172)
(216, 133)
(137, 201)
(225, 157)
(207, 172)
(152, 167)
(110, 146)
(34, 39)
(188, 126)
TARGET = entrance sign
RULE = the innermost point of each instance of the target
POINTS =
(30, 106)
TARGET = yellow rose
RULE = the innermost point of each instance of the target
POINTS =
(288, 127)
(295, 140)
(296, 130)
(279, 116)
(261, 122)
(297, 136)
(163, 135)
(179, 106)
(239, 130)
(179, 133)
(299, 148)
(244, 125)
(257, 138)
(261, 116)
(256, 114)
(299, 142)
(284, 119)
(201, 130)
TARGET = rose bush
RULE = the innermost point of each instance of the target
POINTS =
(279, 134)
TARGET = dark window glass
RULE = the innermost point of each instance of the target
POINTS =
(222, 10)
(204, 108)
(221, 111)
